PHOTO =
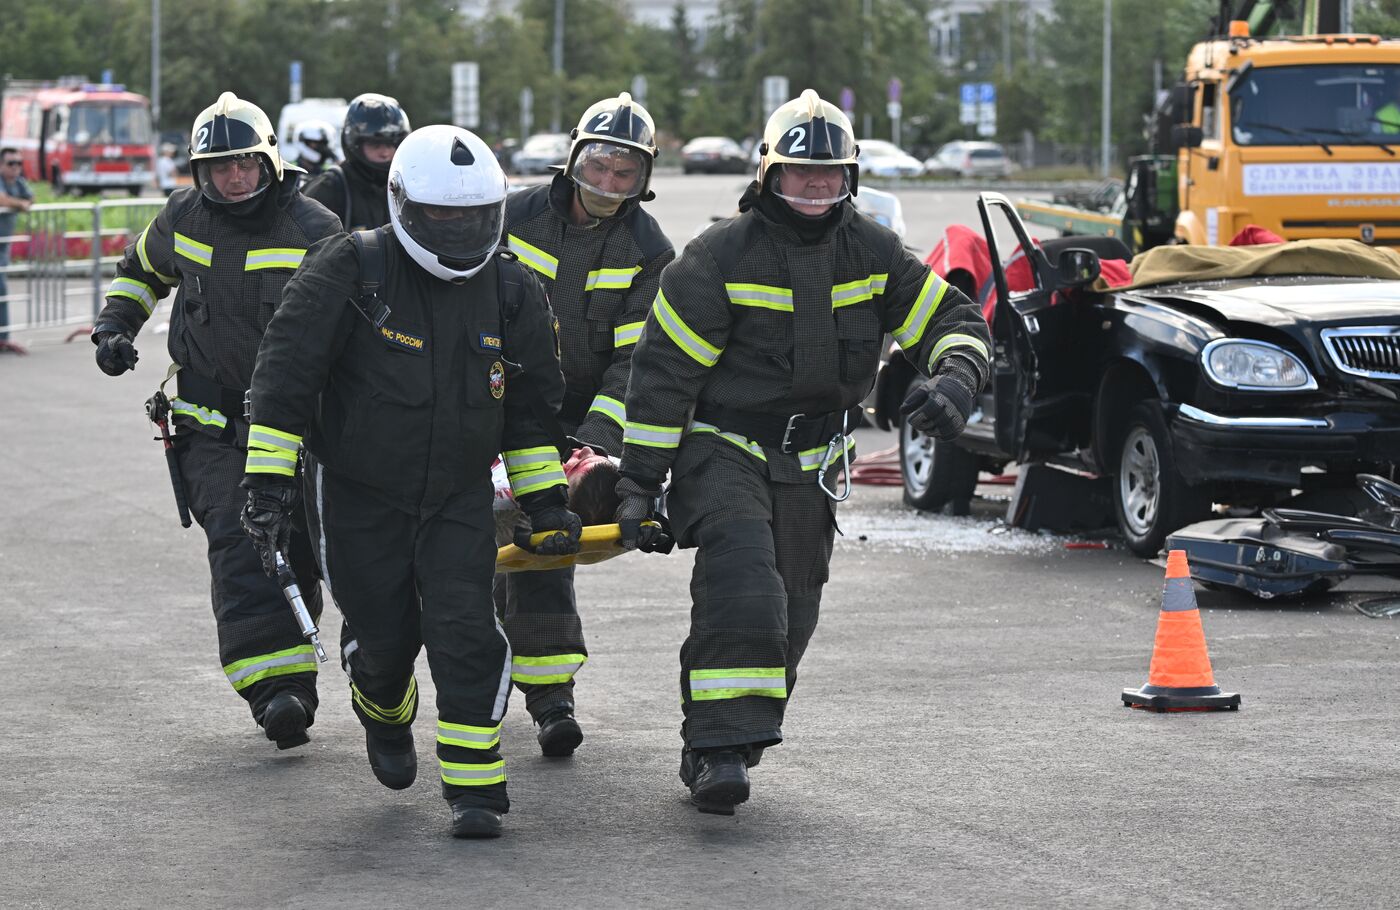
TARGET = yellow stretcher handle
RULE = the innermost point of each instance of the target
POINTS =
(596, 544)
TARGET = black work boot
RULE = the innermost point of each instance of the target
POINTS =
(472, 820)
(559, 733)
(285, 720)
(719, 781)
(392, 759)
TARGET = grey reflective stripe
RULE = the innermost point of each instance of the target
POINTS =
(811, 459)
(698, 348)
(273, 259)
(611, 407)
(203, 415)
(190, 249)
(466, 736)
(759, 295)
(268, 441)
(136, 290)
(283, 661)
(740, 682)
(863, 290)
(655, 436)
(268, 460)
(520, 669)
(535, 258)
(624, 335)
(498, 707)
(474, 774)
(610, 279)
(929, 298)
(521, 462)
(743, 442)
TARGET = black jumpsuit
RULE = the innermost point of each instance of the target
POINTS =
(601, 278)
(757, 337)
(228, 273)
(358, 194)
(401, 424)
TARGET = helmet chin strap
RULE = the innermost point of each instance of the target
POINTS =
(803, 200)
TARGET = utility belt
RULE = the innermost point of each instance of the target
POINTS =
(203, 392)
(796, 433)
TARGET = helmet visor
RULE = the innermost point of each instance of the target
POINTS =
(812, 184)
(611, 171)
(232, 178)
(454, 233)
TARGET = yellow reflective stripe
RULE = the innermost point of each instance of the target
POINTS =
(611, 408)
(699, 350)
(146, 260)
(611, 279)
(763, 296)
(742, 442)
(533, 256)
(524, 459)
(646, 434)
(554, 668)
(273, 258)
(401, 713)
(957, 340)
(858, 291)
(206, 416)
(627, 333)
(713, 685)
(471, 737)
(467, 775)
(139, 291)
(243, 673)
(259, 462)
(273, 440)
(811, 459)
(193, 250)
(921, 312)
(531, 470)
(542, 480)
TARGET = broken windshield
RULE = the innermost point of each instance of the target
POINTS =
(1335, 104)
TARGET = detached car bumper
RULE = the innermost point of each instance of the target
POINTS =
(1274, 450)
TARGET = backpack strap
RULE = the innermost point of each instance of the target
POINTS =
(370, 247)
(510, 291)
(345, 190)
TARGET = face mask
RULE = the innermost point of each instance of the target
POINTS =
(596, 205)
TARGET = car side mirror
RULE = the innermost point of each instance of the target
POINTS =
(1185, 136)
(1183, 99)
(1077, 268)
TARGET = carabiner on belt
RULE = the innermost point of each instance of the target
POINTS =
(837, 446)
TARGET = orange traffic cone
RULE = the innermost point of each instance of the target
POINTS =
(1180, 678)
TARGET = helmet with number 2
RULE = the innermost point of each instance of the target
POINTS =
(808, 130)
(233, 151)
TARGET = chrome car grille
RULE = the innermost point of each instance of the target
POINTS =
(1372, 351)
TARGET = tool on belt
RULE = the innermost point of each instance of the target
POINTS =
(292, 592)
(158, 412)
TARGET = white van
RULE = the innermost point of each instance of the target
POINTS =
(331, 110)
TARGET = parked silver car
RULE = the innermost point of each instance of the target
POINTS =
(541, 152)
(970, 160)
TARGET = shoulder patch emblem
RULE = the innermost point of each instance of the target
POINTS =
(402, 339)
(497, 378)
(489, 342)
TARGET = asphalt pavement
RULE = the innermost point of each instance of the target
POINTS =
(956, 739)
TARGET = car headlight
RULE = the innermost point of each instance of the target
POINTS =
(1236, 363)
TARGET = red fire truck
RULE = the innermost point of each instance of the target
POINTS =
(80, 137)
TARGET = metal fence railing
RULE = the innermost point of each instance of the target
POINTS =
(62, 258)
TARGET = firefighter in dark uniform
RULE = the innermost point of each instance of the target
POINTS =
(228, 244)
(763, 340)
(355, 188)
(403, 404)
(315, 154)
(600, 257)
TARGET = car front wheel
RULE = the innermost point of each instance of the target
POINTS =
(1150, 496)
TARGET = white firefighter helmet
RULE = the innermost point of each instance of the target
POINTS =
(614, 146)
(809, 131)
(233, 151)
(447, 200)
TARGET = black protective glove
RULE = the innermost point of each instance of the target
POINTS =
(115, 352)
(546, 511)
(940, 407)
(640, 496)
(267, 517)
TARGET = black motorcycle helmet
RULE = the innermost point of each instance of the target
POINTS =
(372, 116)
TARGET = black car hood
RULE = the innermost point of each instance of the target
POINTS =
(1285, 301)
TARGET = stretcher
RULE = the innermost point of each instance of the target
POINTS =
(1294, 553)
(597, 544)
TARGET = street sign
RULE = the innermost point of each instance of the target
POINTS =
(639, 89)
(775, 93)
(892, 91)
(967, 103)
(986, 109)
(986, 93)
(294, 78)
(466, 101)
(848, 101)
(893, 110)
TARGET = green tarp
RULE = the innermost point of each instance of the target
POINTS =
(1341, 258)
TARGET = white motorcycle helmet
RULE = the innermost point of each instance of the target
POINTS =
(447, 200)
